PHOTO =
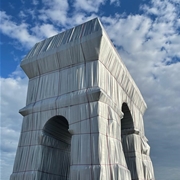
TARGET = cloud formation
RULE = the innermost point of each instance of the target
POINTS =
(19, 32)
(54, 10)
(13, 97)
(88, 6)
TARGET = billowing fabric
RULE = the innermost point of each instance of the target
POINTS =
(83, 118)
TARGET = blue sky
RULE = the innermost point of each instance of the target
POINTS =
(147, 36)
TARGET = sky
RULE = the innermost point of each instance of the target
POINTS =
(146, 34)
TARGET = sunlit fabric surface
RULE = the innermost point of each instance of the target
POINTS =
(83, 118)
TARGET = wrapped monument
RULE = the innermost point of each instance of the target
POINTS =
(83, 118)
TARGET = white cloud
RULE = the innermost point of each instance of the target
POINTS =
(32, 12)
(35, 2)
(16, 31)
(79, 18)
(27, 35)
(55, 11)
(128, 32)
(164, 10)
(44, 30)
(22, 14)
(142, 37)
(88, 6)
(115, 2)
(13, 97)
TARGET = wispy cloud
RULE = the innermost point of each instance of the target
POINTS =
(11, 5)
(115, 2)
(19, 32)
(22, 14)
(35, 2)
(88, 6)
(13, 97)
(54, 11)
(44, 30)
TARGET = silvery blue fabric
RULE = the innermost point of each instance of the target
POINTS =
(83, 118)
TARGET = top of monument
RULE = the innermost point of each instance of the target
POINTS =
(74, 34)
(84, 43)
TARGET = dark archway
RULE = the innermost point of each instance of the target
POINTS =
(127, 125)
(57, 145)
(57, 128)
(127, 128)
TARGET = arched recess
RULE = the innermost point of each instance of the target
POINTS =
(57, 148)
(127, 125)
(127, 128)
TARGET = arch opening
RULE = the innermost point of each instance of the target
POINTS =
(57, 128)
(57, 147)
(127, 125)
(127, 128)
